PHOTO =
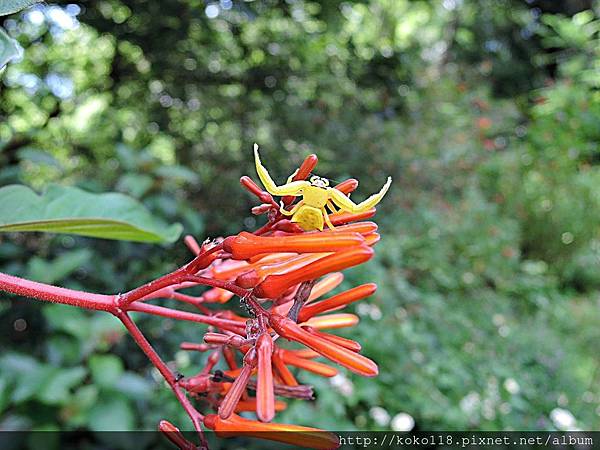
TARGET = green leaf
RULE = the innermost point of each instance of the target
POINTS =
(106, 370)
(59, 268)
(74, 211)
(9, 48)
(57, 387)
(111, 414)
(12, 6)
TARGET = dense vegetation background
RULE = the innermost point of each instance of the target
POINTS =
(486, 113)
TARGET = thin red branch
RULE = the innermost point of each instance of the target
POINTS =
(162, 367)
(49, 293)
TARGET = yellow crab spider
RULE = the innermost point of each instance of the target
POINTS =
(310, 212)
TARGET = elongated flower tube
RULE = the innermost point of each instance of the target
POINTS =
(341, 320)
(363, 228)
(326, 284)
(312, 366)
(238, 387)
(253, 277)
(290, 330)
(347, 186)
(288, 434)
(307, 166)
(265, 397)
(286, 376)
(250, 404)
(275, 285)
(337, 301)
(344, 217)
(173, 434)
(341, 341)
(245, 245)
(253, 188)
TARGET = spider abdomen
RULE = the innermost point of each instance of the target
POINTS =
(309, 218)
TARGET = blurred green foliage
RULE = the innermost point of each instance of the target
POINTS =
(487, 118)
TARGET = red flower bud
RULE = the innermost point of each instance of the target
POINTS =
(261, 209)
(238, 387)
(347, 186)
(192, 244)
(337, 301)
(216, 295)
(344, 217)
(265, 397)
(275, 285)
(355, 362)
(191, 346)
(253, 188)
(173, 434)
(307, 166)
(289, 434)
(246, 245)
(288, 226)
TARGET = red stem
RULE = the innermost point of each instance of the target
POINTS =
(56, 294)
(156, 360)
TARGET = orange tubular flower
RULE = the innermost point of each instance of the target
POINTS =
(372, 239)
(250, 404)
(347, 186)
(326, 284)
(265, 397)
(217, 295)
(288, 434)
(253, 188)
(363, 228)
(312, 366)
(344, 217)
(342, 320)
(337, 301)
(245, 245)
(251, 278)
(286, 376)
(290, 330)
(275, 285)
(309, 163)
(238, 387)
(347, 343)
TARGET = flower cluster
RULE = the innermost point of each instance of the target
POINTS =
(283, 276)
(284, 273)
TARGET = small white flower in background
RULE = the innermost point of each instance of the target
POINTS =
(563, 419)
(375, 312)
(511, 386)
(403, 422)
(380, 416)
(342, 384)
(470, 402)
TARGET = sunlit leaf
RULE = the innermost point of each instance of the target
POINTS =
(12, 6)
(9, 48)
(73, 211)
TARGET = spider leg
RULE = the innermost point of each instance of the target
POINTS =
(291, 177)
(294, 188)
(327, 219)
(331, 206)
(348, 205)
(291, 212)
